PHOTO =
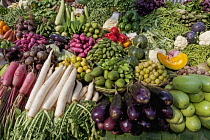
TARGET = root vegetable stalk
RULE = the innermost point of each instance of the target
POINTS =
(63, 97)
(71, 93)
(89, 94)
(39, 98)
(82, 92)
(40, 81)
(53, 98)
(77, 91)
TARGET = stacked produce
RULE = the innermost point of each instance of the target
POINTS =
(105, 49)
(145, 109)
(93, 30)
(80, 45)
(150, 73)
(25, 27)
(30, 40)
(129, 22)
(190, 102)
(78, 70)
(80, 63)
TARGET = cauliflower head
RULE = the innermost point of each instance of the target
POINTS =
(153, 54)
(204, 38)
(180, 43)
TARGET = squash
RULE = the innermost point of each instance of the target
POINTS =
(174, 63)
(132, 60)
(140, 41)
(137, 52)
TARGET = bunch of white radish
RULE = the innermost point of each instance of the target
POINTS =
(58, 89)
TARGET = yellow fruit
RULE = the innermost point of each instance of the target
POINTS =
(66, 64)
(84, 60)
(84, 63)
(79, 58)
(88, 71)
(85, 67)
(80, 70)
(88, 66)
(77, 64)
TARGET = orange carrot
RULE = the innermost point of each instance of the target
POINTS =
(10, 36)
(7, 34)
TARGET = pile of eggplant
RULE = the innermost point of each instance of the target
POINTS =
(59, 40)
(139, 109)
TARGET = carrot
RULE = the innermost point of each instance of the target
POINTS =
(52, 99)
(14, 37)
(90, 91)
(7, 34)
(40, 81)
(7, 81)
(19, 76)
(95, 96)
(52, 89)
(77, 91)
(38, 100)
(63, 97)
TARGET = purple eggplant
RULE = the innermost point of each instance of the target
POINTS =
(99, 113)
(116, 107)
(137, 130)
(167, 112)
(109, 124)
(126, 126)
(146, 125)
(164, 127)
(129, 101)
(162, 94)
(117, 130)
(140, 93)
(133, 113)
(100, 126)
(149, 111)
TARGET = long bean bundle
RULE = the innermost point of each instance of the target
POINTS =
(197, 53)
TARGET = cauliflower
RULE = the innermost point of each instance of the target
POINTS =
(153, 54)
(180, 42)
(204, 38)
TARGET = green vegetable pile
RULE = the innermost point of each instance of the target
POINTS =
(197, 53)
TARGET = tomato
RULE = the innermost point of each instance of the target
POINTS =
(128, 27)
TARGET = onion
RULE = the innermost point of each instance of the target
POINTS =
(42, 55)
(29, 61)
(26, 54)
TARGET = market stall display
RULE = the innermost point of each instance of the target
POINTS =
(95, 69)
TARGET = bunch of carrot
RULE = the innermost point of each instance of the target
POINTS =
(10, 35)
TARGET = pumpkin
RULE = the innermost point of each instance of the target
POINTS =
(137, 52)
(140, 41)
(174, 63)
(132, 60)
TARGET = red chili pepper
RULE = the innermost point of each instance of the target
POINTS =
(109, 34)
(114, 30)
(113, 38)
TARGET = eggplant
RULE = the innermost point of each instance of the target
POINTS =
(140, 93)
(129, 101)
(167, 112)
(149, 111)
(109, 124)
(164, 127)
(137, 130)
(133, 112)
(100, 126)
(60, 38)
(117, 130)
(162, 94)
(126, 126)
(146, 125)
(116, 107)
(99, 113)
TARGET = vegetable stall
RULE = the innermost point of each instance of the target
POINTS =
(113, 69)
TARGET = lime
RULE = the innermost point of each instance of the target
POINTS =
(95, 36)
(97, 31)
(89, 34)
(88, 25)
(91, 30)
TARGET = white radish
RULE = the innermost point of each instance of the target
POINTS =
(40, 81)
(95, 96)
(38, 100)
(82, 92)
(53, 98)
(71, 93)
(63, 97)
(49, 72)
(77, 91)
(89, 94)
(52, 89)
